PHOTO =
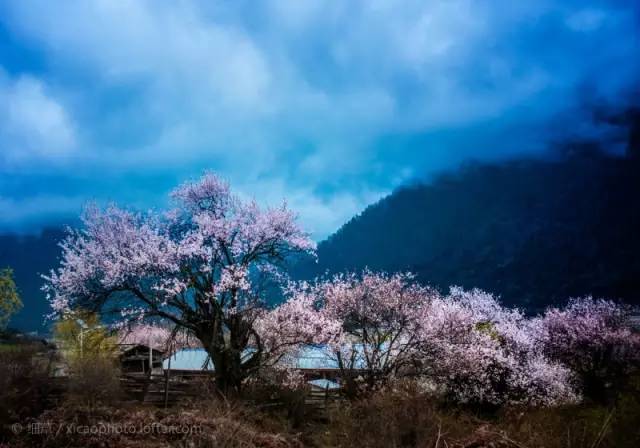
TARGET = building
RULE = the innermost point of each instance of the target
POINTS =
(188, 360)
(140, 359)
(316, 363)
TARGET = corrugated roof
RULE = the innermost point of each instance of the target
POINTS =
(322, 357)
(188, 359)
(310, 357)
(324, 384)
(315, 357)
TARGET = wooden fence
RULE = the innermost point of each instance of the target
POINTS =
(161, 389)
(169, 389)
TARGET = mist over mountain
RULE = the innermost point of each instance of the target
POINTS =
(534, 231)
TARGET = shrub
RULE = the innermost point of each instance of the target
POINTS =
(405, 416)
(94, 380)
(25, 386)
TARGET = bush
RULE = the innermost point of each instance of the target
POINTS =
(407, 417)
(25, 386)
(94, 380)
(401, 417)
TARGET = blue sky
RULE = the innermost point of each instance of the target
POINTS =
(330, 104)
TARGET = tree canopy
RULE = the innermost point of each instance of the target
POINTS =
(203, 266)
(10, 302)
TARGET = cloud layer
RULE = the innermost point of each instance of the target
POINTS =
(330, 104)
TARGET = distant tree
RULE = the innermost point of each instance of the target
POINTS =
(593, 338)
(10, 302)
(368, 325)
(202, 267)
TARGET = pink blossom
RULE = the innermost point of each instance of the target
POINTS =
(478, 351)
(156, 336)
(593, 339)
(382, 327)
(201, 267)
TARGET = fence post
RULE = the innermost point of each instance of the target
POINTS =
(166, 383)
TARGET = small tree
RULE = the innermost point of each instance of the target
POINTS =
(10, 302)
(369, 322)
(288, 328)
(81, 334)
(202, 267)
(89, 348)
(380, 318)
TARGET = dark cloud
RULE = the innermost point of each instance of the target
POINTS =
(330, 105)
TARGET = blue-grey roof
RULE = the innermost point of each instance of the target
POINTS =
(324, 384)
(195, 359)
(321, 357)
(315, 357)
(310, 357)
(188, 359)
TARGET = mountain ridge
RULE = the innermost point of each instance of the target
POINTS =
(534, 231)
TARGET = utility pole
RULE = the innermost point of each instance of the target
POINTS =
(82, 325)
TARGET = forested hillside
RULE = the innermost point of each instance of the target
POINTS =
(534, 231)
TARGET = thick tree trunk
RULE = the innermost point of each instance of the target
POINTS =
(225, 348)
(228, 371)
(227, 366)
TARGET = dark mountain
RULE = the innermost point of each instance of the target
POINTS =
(30, 256)
(533, 231)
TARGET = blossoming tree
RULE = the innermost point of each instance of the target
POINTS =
(366, 324)
(288, 329)
(593, 338)
(379, 318)
(202, 266)
(160, 337)
(477, 351)
(465, 345)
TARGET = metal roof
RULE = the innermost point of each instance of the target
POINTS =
(315, 357)
(309, 357)
(324, 384)
(188, 359)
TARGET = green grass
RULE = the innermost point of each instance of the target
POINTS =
(11, 347)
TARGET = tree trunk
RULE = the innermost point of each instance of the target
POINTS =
(225, 350)
(228, 371)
